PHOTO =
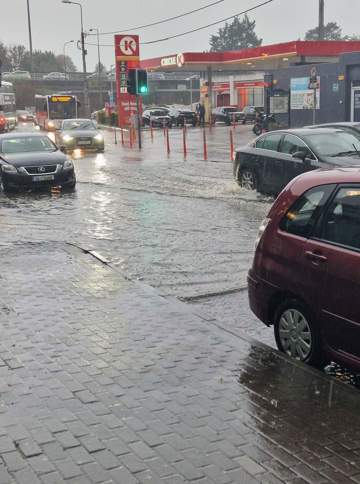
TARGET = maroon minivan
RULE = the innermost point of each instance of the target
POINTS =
(305, 278)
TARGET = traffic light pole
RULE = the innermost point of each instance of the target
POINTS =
(138, 120)
(138, 110)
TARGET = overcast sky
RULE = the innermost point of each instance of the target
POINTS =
(53, 22)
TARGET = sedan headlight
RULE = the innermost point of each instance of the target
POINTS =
(67, 138)
(68, 165)
(51, 124)
(8, 169)
(99, 137)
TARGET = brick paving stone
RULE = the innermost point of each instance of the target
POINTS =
(68, 468)
(5, 477)
(151, 392)
(29, 448)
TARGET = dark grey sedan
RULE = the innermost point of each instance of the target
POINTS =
(29, 160)
(272, 160)
(80, 133)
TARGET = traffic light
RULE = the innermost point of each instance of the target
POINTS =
(137, 82)
(142, 87)
(131, 81)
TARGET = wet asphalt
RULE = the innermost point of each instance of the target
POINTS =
(182, 225)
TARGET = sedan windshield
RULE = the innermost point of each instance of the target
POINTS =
(27, 144)
(339, 143)
(78, 124)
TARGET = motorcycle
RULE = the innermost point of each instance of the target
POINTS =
(264, 123)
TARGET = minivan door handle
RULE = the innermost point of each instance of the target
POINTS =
(315, 256)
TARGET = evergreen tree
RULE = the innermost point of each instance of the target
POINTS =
(240, 34)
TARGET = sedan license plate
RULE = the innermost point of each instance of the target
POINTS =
(43, 178)
(87, 142)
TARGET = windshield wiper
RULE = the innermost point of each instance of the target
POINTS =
(347, 153)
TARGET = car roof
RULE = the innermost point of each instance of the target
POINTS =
(78, 119)
(22, 134)
(325, 177)
(349, 124)
(305, 131)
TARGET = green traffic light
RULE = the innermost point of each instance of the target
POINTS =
(143, 89)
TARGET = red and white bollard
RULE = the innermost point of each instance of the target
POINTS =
(184, 142)
(167, 142)
(205, 145)
(231, 145)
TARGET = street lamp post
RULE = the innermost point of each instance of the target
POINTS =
(83, 51)
(112, 84)
(99, 64)
(30, 35)
(64, 53)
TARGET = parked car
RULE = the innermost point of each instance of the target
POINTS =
(157, 117)
(305, 277)
(32, 160)
(182, 116)
(248, 114)
(272, 160)
(24, 116)
(11, 119)
(80, 133)
(54, 76)
(351, 127)
(16, 75)
(227, 115)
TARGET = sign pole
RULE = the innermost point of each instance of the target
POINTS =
(314, 110)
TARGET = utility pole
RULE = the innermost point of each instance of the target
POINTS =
(30, 35)
(84, 52)
(321, 19)
(99, 64)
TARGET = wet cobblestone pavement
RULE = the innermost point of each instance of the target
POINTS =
(104, 381)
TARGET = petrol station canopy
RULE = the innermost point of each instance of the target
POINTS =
(262, 58)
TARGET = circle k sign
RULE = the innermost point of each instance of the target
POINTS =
(128, 46)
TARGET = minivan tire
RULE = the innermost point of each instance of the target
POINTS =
(295, 309)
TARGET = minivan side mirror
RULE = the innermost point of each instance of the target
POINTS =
(300, 155)
(62, 148)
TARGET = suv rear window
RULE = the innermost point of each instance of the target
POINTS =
(302, 216)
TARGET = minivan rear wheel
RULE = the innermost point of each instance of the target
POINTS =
(296, 334)
(248, 179)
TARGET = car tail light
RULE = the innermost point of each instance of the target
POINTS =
(262, 229)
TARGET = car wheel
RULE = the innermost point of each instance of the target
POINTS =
(8, 188)
(257, 129)
(248, 179)
(296, 333)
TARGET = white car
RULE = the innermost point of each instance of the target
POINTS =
(14, 75)
(56, 76)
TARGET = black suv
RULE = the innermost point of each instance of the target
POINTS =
(182, 116)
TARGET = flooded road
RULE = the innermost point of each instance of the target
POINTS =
(182, 226)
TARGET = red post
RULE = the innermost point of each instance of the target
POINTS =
(130, 137)
(151, 132)
(205, 146)
(231, 145)
(167, 141)
(122, 136)
(184, 142)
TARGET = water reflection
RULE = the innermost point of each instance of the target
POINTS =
(296, 401)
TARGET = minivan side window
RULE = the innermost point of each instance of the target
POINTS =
(260, 142)
(271, 142)
(342, 221)
(302, 216)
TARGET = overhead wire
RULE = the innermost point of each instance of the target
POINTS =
(197, 29)
(158, 22)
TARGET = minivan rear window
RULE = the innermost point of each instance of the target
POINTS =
(302, 216)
